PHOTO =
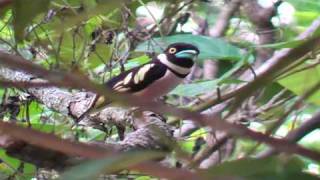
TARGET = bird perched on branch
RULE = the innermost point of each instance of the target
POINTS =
(157, 77)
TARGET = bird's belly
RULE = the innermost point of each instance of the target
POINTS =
(160, 87)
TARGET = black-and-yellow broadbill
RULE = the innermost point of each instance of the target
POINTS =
(157, 77)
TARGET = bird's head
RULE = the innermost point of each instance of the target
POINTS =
(182, 51)
(179, 57)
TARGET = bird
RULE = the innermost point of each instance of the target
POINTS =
(157, 77)
(153, 79)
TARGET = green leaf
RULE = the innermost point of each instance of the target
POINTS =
(305, 18)
(195, 89)
(306, 5)
(9, 166)
(91, 169)
(257, 169)
(100, 56)
(210, 48)
(90, 134)
(74, 16)
(302, 81)
(144, 178)
(230, 81)
(281, 45)
(189, 143)
(5, 15)
(24, 11)
(269, 92)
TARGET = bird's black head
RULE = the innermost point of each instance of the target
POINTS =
(182, 54)
(179, 58)
(182, 50)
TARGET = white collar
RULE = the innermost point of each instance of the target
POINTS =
(180, 70)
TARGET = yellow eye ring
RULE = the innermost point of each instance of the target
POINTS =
(172, 50)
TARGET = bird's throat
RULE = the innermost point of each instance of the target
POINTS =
(178, 69)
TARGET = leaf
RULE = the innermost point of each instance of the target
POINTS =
(137, 61)
(210, 48)
(91, 169)
(281, 45)
(230, 81)
(305, 18)
(100, 56)
(269, 92)
(306, 5)
(72, 17)
(189, 143)
(90, 134)
(301, 82)
(24, 11)
(195, 89)
(256, 169)
(143, 178)
(9, 164)
(5, 8)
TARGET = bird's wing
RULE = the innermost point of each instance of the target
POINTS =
(132, 81)
(137, 78)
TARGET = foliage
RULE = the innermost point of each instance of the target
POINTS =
(222, 50)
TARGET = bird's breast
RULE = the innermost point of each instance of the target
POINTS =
(161, 86)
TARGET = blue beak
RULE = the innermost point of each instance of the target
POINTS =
(187, 54)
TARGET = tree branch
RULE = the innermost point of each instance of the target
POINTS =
(45, 150)
(297, 134)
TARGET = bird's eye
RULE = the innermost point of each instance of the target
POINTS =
(172, 50)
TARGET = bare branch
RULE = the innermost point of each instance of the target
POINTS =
(57, 99)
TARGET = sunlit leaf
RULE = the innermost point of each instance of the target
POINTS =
(305, 18)
(91, 134)
(9, 166)
(302, 81)
(144, 178)
(189, 143)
